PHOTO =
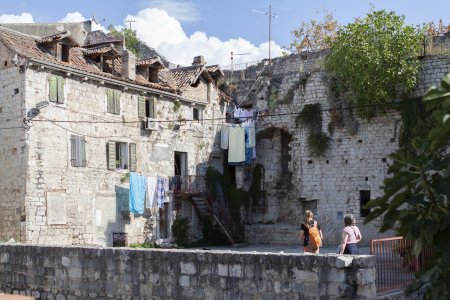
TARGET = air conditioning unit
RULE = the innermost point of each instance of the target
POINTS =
(151, 124)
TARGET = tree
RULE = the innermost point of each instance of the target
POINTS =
(131, 39)
(417, 194)
(376, 59)
(315, 35)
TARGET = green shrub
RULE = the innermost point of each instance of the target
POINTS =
(180, 228)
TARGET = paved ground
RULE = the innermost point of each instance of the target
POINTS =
(278, 249)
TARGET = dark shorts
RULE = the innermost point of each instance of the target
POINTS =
(351, 249)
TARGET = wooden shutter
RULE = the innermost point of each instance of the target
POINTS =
(53, 88)
(132, 157)
(111, 147)
(109, 99)
(60, 83)
(117, 95)
(141, 107)
(73, 150)
(82, 148)
(153, 108)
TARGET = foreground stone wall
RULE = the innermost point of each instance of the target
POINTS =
(120, 273)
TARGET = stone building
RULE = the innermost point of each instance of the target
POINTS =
(340, 182)
(78, 113)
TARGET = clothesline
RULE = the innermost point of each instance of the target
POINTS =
(149, 192)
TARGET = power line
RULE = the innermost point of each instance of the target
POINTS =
(226, 118)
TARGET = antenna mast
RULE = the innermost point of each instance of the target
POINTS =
(130, 21)
(270, 15)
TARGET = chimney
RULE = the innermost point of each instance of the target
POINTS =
(199, 60)
(128, 65)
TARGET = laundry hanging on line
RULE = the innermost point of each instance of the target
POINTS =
(138, 187)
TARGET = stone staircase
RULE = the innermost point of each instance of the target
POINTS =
(204, 207)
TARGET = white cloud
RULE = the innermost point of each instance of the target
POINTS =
(23, 18)
(78, 17)
(164, 33)
(182, 11)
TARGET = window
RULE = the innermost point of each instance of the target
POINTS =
(78, 152)
(121, 155)
(197, 114)
(113, 101)
(364, 197)
(146, 107)
(56, 89)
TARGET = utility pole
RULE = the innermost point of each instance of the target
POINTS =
(130, 21)
(270, 15)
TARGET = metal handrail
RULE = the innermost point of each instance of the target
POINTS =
(396, 265)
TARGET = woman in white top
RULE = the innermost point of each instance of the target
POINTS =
(350, 236)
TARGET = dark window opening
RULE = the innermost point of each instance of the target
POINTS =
(196, 83)
(196, 114)
(364, 198)
(65, 50)
(153, 75)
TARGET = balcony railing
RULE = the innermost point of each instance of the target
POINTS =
(396, 265)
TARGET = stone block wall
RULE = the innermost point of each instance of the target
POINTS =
(13, 154)
(355, 162)
(93, 201)
(119, 273)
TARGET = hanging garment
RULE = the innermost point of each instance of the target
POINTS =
(151, 200)
(236, 147)
(224, 135)
(160, 191)
(138, 186)
(251, 136)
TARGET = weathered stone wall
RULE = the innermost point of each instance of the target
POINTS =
(13, 152)
(93, 201)
(80, 273)
(329, 185)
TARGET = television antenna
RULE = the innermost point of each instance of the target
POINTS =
(270, 15)
(130, 21)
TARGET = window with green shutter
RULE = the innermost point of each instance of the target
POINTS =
(113, 101)
(121, 155)
(78, 151)
(56, 89)
(146, 107)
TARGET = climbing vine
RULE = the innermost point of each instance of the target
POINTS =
(317, 141)
(375, 59)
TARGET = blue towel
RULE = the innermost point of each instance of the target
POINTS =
(138, 186)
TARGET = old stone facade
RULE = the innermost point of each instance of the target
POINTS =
(52, 194)
(351, 172)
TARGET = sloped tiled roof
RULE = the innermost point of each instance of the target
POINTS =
(98, 37)
(184, 77)
(57, 37)
(26, 46)
(155, 61)
(101, 50)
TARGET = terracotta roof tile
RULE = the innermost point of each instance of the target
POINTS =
(101, 50)
(26, 46)
(184, 77)
(150, 61)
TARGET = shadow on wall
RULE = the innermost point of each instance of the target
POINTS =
(115, 217)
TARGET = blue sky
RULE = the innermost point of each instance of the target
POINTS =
(183, 29)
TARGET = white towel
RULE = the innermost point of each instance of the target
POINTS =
(236, 151)
(224, 137)
(151, 192)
